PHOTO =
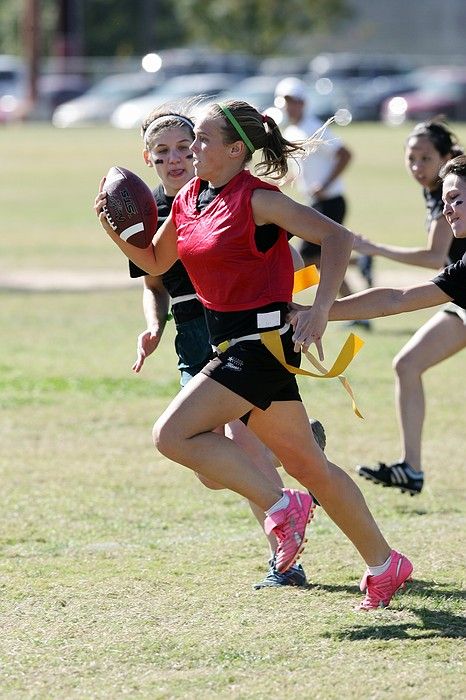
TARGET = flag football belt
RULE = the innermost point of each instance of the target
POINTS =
(304, 278)
(224, 345)
(182, 298)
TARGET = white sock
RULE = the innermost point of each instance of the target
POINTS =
(377, 570)
(279, 505)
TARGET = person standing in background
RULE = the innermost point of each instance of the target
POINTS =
(318, 179)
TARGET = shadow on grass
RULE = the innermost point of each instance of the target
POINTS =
(432, 622)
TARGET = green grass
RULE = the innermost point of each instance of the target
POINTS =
(114, 582)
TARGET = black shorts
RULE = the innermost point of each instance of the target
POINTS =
(251, 371)
(335, 209)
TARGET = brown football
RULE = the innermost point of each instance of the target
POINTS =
(131, 209)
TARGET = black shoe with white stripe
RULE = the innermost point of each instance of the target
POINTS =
(400, 474)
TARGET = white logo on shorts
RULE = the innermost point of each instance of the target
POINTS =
(234, 363)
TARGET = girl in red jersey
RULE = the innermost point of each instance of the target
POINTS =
(229, 228)
(167, 134)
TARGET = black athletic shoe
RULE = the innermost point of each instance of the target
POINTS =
(365, 263)
(319, 433)
(294, 576)
(399, 474)
(321, 439)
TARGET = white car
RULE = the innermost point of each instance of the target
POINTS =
(129, 115)
(98, 103)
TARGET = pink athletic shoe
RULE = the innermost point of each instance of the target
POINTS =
(381, 589)
(289, 526)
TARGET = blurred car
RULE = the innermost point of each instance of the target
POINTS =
(12, 86)
(205, 85)
(282, 66)
(350, 72)
(259, 90)
(339, 66)
(443, 91)
(55, 89)
(184, 60)
(99, 101)
(367, 98)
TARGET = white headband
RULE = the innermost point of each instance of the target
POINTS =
(163, 117)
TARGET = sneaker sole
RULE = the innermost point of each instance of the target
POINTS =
(403, 489)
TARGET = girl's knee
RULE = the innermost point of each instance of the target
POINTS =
(404, 363)
(314, 467)
(164, 437)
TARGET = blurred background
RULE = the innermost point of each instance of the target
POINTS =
(75, 63)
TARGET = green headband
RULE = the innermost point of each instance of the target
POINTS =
(234, 122)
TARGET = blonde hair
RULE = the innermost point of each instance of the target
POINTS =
(264, 134)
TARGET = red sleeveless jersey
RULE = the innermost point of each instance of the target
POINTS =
(217, 247)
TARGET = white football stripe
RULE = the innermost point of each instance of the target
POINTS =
(114, 178)
(131, 230)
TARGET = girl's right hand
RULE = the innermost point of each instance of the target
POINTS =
(99, 204)
(148, 341)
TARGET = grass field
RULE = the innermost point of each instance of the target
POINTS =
(115, 580)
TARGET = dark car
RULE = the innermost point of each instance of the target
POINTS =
(443, 92)
(12, 86)
(351, 65)
(367, 98)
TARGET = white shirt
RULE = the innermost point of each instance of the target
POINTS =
(313, 170)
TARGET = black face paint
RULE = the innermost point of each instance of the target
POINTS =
(160, 161)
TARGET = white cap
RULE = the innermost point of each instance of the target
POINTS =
(291, 87)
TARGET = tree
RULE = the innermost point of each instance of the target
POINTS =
(123, 28)
(262, 27)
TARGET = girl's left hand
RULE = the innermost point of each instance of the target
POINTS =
(293, 309)
(364, 246)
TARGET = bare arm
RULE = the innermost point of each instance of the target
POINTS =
(298, 262)
(155, 303)
(342, 159)
(387, 301)
(336, 243)
(434, 255)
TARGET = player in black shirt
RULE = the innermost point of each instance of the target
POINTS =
(429, 146)
(446, 332)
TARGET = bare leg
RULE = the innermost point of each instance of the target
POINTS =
(441, 337)
(184, 433)
(285, 428)
(264, 460)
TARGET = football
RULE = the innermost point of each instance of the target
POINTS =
(131, 209)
